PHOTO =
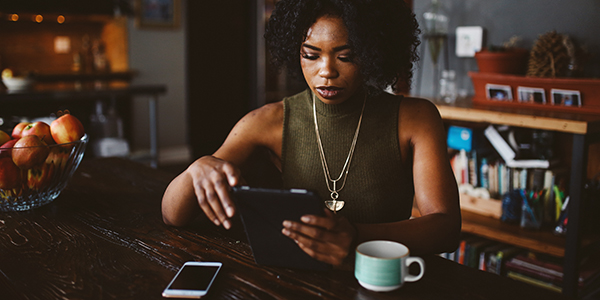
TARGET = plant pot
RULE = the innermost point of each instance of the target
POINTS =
(512, 61)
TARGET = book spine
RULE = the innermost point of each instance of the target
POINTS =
(533, 281)
(461, 252)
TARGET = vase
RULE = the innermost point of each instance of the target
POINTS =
(510, 61)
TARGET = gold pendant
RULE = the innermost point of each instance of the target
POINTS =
(334, 205)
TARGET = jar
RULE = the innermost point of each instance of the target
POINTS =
(448, 92)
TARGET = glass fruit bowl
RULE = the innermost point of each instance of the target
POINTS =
(26, 188)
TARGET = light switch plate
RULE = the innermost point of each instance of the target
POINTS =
(468, 40)
(62, 44)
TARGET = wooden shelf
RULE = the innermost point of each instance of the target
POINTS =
(465, 110)
(542, 241)
(494, 229)
(85, 76)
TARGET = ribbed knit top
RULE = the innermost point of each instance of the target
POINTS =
(379, 188)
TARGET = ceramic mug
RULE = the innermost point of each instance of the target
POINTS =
(382, 266)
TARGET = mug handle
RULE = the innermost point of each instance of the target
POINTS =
(408, 261)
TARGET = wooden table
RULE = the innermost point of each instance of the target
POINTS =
(104, 238)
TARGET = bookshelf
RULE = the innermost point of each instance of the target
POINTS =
(542, 241)
(585, 131)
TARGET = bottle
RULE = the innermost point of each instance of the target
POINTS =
(448, 91)
(99, 56)
(107, 132)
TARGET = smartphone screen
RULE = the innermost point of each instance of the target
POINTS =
(193, 280)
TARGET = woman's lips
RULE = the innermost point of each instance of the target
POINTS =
(329, 92)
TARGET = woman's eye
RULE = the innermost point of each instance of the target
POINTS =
(345, 58)
(309, 57)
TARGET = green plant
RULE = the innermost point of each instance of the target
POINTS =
(506, 46)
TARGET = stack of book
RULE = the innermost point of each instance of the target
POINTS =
(483, 254)
(549, 274)
(520, 264)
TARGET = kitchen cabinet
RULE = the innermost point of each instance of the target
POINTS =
(73, 97)
(584, 129)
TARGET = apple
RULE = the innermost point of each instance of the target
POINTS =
(7, 73)
(40, 129)
(4, 137)
(29, 151)
(6, 148)
(16, 134)
(58, 156)
(66, 129)
(10, 175)
(39, 176)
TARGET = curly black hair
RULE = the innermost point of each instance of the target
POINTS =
(383, 35)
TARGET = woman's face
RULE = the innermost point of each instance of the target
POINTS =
(327, 61)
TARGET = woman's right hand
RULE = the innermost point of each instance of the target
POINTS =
(212, 178)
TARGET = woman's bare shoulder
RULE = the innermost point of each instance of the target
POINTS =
(418, 110)
(265, 116)
(262, 126)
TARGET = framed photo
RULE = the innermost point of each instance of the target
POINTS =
(566, 97)
(498, 92)
(157, 13)
(531, 95)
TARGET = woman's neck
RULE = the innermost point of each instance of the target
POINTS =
(331, 108)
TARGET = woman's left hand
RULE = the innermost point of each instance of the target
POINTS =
(327, 239)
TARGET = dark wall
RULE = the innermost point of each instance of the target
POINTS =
(65, 6)
(219, 57)
(526, 18)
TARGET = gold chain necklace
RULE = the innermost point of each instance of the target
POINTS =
(334, 204)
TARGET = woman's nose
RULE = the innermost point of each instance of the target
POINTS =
(328, 69)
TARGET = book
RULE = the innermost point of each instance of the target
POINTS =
(533, 281)
(508, 154)
(460, 253)
(497, 261)
(474, 250)
(486, 253)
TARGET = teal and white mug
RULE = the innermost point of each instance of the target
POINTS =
(382, 266)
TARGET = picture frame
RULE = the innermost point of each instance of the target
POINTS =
(498, 92)
(531, 95)
(164, 14)
(566, 97)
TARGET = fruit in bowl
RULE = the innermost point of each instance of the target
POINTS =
(16, 83)
(33, 172)
(29, 151)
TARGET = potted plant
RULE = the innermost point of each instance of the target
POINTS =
(505, 59)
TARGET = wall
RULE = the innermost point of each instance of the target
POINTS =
(506, 18)
(159, 57)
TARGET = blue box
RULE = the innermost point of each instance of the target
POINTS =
(460, 138)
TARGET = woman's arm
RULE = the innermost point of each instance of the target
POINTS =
(204, 185)
(422, 134)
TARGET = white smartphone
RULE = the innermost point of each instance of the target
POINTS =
(193, 280)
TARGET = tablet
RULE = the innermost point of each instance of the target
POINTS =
(263, 211)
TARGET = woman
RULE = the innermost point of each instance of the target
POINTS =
(366, 152)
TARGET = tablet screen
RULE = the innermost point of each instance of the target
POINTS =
(263, 212)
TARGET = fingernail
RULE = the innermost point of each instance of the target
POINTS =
(216, 221)
(287, 223)
(305, 219)
(226, 224)
(229, 211)
(285, 231)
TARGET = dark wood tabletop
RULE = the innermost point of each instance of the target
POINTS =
(103, 238)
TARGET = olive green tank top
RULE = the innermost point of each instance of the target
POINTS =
(379, 188)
